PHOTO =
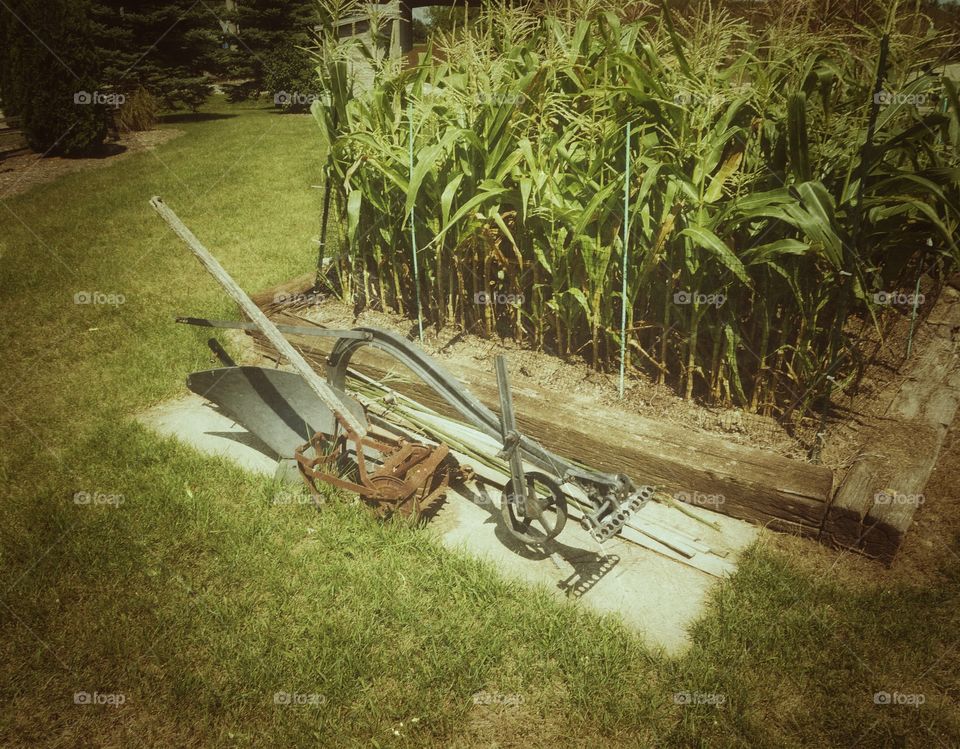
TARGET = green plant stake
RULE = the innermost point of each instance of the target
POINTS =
(413, 232)
(626, 230)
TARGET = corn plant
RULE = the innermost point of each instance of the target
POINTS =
(779, 180)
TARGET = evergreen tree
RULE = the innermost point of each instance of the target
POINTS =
(161, 46)
(269, 49)
(49, 75)
(447, 18)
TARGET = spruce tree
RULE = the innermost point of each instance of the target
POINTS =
(269, 49)
(162, 46)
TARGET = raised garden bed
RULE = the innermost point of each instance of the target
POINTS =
(735, 464)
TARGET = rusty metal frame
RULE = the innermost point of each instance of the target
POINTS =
(410, 478)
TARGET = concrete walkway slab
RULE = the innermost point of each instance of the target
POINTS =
(657, 596)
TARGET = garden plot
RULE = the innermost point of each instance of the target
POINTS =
(570, 408)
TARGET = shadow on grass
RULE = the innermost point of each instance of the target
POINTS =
(103, 151)
(177, 117)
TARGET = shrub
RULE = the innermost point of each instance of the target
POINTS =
(244, 91)
(49, 77)
(139, 111)
(290, 72)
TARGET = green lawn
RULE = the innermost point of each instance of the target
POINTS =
(197, 598)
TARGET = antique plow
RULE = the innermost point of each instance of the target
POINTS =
(300, 415)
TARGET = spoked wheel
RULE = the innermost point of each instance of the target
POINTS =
(543, 515)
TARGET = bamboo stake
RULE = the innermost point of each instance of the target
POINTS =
(326, 394)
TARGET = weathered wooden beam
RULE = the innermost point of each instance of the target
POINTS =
(875, 504)
(290, 295)
(744, 482)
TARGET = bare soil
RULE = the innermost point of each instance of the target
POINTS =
(21, 171)
(858, 416)
(855, 419)
(553, 374)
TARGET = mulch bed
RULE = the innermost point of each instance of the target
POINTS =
(20, 171)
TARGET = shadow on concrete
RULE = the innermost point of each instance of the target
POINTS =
(589, 567)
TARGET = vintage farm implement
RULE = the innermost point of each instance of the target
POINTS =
(334, 440)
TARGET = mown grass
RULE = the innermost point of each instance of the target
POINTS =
(198, 598)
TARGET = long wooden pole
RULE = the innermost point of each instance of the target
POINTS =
(326, 394)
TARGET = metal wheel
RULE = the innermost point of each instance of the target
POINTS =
(543, 515)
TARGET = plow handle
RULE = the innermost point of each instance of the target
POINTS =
(326, 394)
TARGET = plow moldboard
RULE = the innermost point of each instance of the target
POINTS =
(276, 406)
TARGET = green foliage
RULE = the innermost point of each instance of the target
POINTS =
(289, 71)
(759, 219)
(420, 31)
(139, 111)
(269, 50)
(163, 47)
(49, 77)
(447, 18)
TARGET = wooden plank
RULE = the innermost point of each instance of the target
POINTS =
(12, 140)
(293, 294)
(844, 523)
(755, 485)
(752, 485)
(875, 504)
